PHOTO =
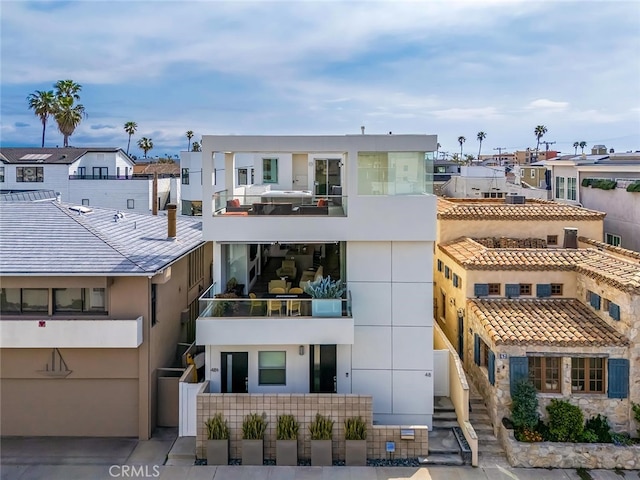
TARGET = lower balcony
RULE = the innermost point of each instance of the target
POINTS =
(70, 333)
(274, 320)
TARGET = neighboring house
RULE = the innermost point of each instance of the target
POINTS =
(574, 181)
(93, 304)
(344, 206)
(524, 157)
(522, 296)
(534, 176)
(90, 176)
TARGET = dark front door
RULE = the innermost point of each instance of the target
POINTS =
(234, 376)
(323, 372)
(461, 337)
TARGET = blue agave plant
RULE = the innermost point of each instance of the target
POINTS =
(325, 288)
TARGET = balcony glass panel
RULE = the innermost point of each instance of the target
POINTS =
(280, 203)
(395, 173)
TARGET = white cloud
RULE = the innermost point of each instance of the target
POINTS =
(483, 113)
(546, 104)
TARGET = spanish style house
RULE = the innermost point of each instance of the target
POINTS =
(93, 305)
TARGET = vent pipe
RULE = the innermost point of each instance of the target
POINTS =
(362, 129)
(154, 194)
(570, 238)
(171, 220)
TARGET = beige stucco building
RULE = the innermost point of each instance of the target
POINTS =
(517, 304)
(92, 302)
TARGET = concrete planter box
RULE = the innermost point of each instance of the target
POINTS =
(321, 453)
(329, 307)
(286, 452)
(252, 452)
(355, 453)
(218, 452)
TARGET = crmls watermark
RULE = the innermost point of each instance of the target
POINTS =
(134, 471)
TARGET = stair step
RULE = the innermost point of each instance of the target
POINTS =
(486, 436)
(445, 424)
(491, 448)
(184, 448)
(444, 416)
(441, 459)
(443, 404)
(180, 462)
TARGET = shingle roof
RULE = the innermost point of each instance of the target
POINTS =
(47, 238)
(622, 274)
(160, 168)
(491, 209)
(48, 155)
(558, 322)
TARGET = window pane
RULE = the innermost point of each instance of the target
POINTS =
(35, 300)
(271, 359)
(377, 173)
(10, 300)
(272, 377)
(67, 299)
(96, 300)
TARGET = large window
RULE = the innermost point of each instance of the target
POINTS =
(1, 174)
(25, 300)
(613, 239)
(571, 188)
(78, 300)
(269, 170)
(100, 172)
(587, 375)
(10, 300)
(29, 174)
(185, 176)
(245, 176)
(272, 368)
(394, 173)
(559, 187)
(544, 373)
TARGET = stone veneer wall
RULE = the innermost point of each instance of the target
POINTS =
(568, 455)
(235, 406)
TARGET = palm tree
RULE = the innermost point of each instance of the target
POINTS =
(195, 147)
(582, 145)
(145, 144)
(189, 136)
(130, 128)
(43, 104)
(575, 147)
(481, 136)
(67, 88)
(539, 132)
(68, 116)
(461, 140)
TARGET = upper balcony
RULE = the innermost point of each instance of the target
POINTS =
(143, 176)
(274, 319)
(281, 203)
(47, 332)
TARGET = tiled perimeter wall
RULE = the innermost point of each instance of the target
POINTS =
(234, 407)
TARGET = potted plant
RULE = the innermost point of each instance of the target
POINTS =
(217, 440)
(234, 287)
(253, 428)
(224, 308)
(321, 431)
(355, 434)
(287, 440)
(326, 296)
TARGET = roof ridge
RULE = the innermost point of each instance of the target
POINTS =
(610, 248)
(98, 234)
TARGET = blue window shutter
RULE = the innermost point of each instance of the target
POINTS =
(594, 300)
(518, 370)
(512, 290)
(491, 368)
(439, 265)
(447, 272)
(614, 311)
(618, 378)
(481, 289)
(543, 290)
(476, 348)
(455, 280)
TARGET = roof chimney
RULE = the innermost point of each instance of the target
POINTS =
(362, 129)
(570, 238)
(154, 195)
(171, 220)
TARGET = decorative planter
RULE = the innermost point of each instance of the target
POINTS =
(252, 452)
(321, 453)
(355, 453)
(218, 452)
(286, 452)
(326, 307)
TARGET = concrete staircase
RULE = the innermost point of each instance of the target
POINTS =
(444, 448)
(489, 449)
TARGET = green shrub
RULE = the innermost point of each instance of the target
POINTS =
(599, 426)
(586, 182)
(566, 422)
(524, 406)
(588, 436)
(217, 428)
(355, 429)
(636, 415)
(321, 428)
(604, 184)
(634, 187)
(287, 428)
(254, 426)
(324, 287)
(621, 439)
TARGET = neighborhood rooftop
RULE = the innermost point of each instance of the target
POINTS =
(492, 209)
(556, 322)
(31, 155)
(51, 238)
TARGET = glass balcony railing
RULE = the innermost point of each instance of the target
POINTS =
(280, 203)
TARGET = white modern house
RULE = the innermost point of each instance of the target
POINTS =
(86, 176)
(355, 207)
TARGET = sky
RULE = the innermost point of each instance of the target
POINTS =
(448, 68)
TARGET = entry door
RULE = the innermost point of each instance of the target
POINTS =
(234, 376)
(327, 175)
(461, 336)
(323, 371)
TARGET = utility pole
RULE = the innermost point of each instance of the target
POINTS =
(547, 145)
(499, 149)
